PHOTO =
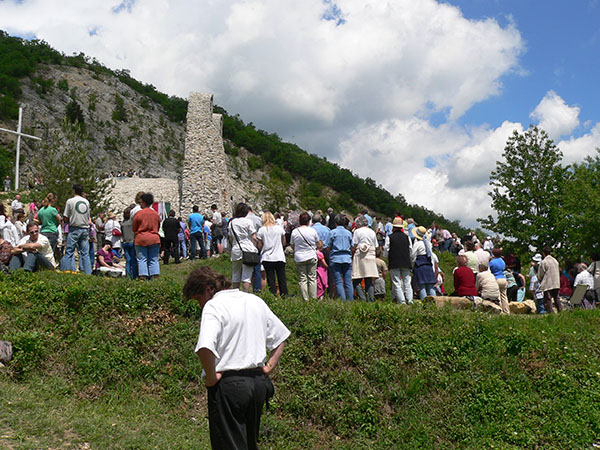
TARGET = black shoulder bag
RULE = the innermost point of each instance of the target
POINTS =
(248, 258)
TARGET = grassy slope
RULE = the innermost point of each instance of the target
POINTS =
(109, 362)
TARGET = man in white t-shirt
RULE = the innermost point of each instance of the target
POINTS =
(33, 252)
(236, 330)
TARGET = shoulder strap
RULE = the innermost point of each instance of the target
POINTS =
(235, 234)
(307, 243)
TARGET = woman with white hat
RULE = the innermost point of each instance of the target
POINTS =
(424, 273)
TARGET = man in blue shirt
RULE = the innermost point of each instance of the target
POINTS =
(196, 224)
(365, 213)
(324, 233)
(340, 257)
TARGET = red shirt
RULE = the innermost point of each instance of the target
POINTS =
(145, 226)
(464, 282)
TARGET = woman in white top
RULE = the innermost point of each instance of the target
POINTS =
(242, 237)
(305, 242)
(364, 265)
(270, 240)
(112, 233)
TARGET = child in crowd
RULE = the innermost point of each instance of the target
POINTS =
(322, 280)
(382, 270)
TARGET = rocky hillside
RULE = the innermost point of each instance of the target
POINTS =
(125, 129)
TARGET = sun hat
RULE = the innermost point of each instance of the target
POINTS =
(419, 232)
(398, 223)
(537, 257)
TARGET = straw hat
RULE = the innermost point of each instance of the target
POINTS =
(398, 223)
(419, 232)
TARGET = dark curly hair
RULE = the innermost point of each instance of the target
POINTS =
(204, 277)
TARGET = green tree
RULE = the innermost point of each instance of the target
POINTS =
(527, 190)
(64, 159)
(119, 113)
(74, 114)
(581, 206)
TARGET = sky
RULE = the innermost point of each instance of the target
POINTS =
(421, 96)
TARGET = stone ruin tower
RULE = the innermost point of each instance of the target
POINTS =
(205, 178)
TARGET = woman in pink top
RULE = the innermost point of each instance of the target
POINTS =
(146, 223)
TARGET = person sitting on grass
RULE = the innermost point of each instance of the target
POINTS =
(107, 262)
(486, 285)
(33, 252)
(464, 279)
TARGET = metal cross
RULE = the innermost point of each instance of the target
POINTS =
(19, 135)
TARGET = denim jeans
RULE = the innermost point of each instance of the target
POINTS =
(131, 266)
(197, 237)
(30, 263)
(342, 277)
(426, 289)
(360, 292)
(402, 290)
(257, 278)
(147, 258)
(77, 238)
(182, 248)
(52, 237)
(92, 256)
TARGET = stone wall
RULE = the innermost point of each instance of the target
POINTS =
(206, 179)
(125, 190)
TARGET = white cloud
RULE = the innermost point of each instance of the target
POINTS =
(575, 149)
(555, 116)
(446, 168)
(361, 92)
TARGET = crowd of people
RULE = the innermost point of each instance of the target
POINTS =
(335, 255)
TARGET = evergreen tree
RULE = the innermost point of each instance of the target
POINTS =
(63, 160)
(528, 191)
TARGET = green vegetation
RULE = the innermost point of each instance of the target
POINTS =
(63, 85)
(20, 58)
(119, 113)
(7, 163)
(67, 159)
(74, 114)
(539, 202)
(110, 362)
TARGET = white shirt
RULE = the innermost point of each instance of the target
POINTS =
(272, 249)
(305, 248)
(366, 235)
(11, 234)
(256, 221)
(109, 226)
(483, 256)
(135, 209)
(238, 328)
(46, 249)
(16, 204)
(216, 218)
(584, 278)
(244, 229)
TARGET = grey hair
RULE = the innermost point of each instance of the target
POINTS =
(361, 221)
(316, 218)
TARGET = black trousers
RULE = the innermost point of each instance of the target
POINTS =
(273, 268)
(171, 245)
(235, 405)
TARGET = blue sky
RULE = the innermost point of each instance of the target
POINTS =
(419, 95)
(562, 40)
